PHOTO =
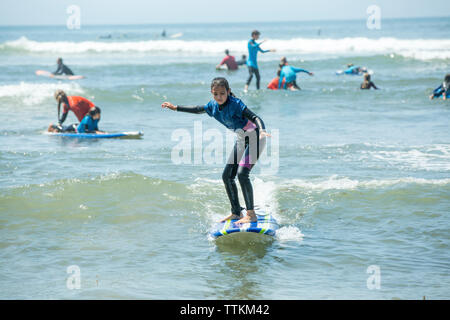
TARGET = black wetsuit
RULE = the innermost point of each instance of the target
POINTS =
(63, 69)
(244, 148)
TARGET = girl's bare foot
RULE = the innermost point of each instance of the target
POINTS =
(250, 217)
(232, 216)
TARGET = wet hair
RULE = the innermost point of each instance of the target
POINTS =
(366, 77)
(221, 82)
(227, 52)
(279, 72)
(95, 111)
(59, 60)
(447, 77)
(59, 93)
(244, 56)
(255, 32)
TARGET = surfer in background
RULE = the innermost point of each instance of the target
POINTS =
(62, 68)
(351, 69)
(273, 85)
(229, 61)
(242, 61)
(367, 84)
(251, 139)
(289, 74)
(253, 49)
(443, 90)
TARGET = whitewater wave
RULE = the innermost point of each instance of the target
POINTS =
(335, 182)
(422, 49)
(35, 93)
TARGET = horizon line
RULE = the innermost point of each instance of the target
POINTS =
(220, 22)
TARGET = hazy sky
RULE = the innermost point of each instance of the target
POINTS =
(53, 12)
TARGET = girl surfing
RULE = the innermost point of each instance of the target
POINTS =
(250, 142)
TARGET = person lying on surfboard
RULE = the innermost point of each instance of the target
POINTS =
(62, 68)
(89, 124)
(78, 105)
(251, 140)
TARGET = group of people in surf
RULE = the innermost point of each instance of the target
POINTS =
(231, 112)
(286, 74)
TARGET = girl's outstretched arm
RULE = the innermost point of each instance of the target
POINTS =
(189, 109)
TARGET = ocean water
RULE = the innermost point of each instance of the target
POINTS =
(358, 180)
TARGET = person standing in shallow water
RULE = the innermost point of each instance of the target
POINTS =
(251, 139)
(253, 49)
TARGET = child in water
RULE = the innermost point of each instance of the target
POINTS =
(367, 84)
(443, 90)
(251, 139)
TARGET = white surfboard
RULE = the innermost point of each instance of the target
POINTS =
(48, 74)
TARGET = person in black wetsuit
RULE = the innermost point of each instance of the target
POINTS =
(62, 68)
(251, 139)
(367, 84)
(242, 61)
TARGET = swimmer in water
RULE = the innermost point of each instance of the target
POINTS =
(367, 84)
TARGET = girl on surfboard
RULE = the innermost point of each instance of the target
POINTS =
(251, 140)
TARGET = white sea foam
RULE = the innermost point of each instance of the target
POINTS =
(422, 49)
(35, 93)
(335, 182)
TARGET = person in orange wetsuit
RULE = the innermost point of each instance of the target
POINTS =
(78, 105)
(273, 85)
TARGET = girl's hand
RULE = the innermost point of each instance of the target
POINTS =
(169, 106)
(264, 134)
(273, 50)
(311, 73)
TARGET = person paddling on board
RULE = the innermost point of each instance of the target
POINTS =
(251, 139)
(89, 124)
(443, 90)
(351, 69)
(289, 74)
(253, 49)
(229, 61)
(62, 68)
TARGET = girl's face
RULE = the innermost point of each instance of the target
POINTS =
(220, 94)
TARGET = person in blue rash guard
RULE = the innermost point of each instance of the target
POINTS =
(289, 74)
(354, 69)
(251, 139)
(253, 49)
(443, 90)
(89, 124)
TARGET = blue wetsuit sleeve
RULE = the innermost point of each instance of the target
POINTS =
(281, 80)
(297, 70)
(82, 126)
